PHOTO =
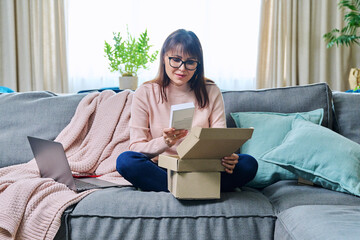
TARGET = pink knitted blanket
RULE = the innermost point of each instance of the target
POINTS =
(30, 206)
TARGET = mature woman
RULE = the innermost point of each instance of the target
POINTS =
(180, 79)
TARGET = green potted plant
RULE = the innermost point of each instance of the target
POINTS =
(129, 55)
(347, 35)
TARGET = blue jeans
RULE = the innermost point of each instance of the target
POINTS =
(143, 173)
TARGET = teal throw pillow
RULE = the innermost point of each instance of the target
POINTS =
(5, 90)
(320, 155)
(269, 131)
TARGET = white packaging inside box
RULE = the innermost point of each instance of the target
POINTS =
(194, 185)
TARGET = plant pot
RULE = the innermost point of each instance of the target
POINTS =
(128, 83)
(354, 78)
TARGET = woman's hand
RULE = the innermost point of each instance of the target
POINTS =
(172, 135)
(230, 162)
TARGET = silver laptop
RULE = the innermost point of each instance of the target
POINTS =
(52, 162)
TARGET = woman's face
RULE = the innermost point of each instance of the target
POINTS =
(179, 75)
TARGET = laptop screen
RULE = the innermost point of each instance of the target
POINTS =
(51, 160)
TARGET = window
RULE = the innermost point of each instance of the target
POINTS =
(227, 29)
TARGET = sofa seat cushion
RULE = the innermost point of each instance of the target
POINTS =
(39, 114)
(288, 193)
(126, 213)
(318, 223)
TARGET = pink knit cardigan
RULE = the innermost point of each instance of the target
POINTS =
(30, 206)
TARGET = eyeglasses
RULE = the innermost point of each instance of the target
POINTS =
(176, 62)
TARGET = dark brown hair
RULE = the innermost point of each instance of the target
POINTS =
(188, 43)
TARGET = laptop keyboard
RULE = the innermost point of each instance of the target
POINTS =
(80, 185)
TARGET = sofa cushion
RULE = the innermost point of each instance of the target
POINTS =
(269, 131)
(318, 223)
(39, 114)
(347, 114)
(125, 213)
(270, 128)
(283, 100)
(317, 154)
(288, 193)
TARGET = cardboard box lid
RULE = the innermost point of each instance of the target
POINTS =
(213, 142)
(190, 165)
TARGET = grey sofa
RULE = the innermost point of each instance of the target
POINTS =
(281, 210)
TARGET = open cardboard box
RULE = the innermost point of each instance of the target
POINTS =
(201, 147)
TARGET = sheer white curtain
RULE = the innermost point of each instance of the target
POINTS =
(292, 49)
(227, 29)
(32, 45)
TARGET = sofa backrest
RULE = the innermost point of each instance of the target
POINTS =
(39, 114)
(282, 100)
(44, 114)
(347, 114)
